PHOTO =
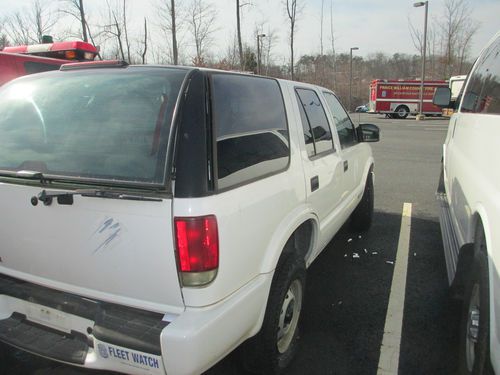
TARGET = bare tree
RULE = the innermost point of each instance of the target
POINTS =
(457, 16)
(467, 33)
(4, 41)
(291, 11)
(238, 27)
(145, 41)
(332, 40)
(269, 42)
(168, 15)
(201, 20)
(174, 33)
(75, 9)
(452, 33)
(28, 27)
(114, 27)
(321, 28)
(125, 30)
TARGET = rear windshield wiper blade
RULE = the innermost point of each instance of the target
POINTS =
(66, 197)
(31, 175)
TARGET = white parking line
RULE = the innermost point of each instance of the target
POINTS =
(389, 351)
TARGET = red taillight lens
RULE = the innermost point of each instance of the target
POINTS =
(197, 243)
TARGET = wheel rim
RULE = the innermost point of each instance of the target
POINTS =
(402, 111)
(289, 316)
(472, 333)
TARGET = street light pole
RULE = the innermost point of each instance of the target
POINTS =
(350, 78)
(421, 105)
(259, 37)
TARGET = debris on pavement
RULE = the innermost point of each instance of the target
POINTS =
(366, 251)
(389, 262)
(374, 252)
(355, 255)
(349, 240)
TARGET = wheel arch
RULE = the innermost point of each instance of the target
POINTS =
(301, 227)
(466, 251)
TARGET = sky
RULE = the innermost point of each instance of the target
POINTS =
(371, 25)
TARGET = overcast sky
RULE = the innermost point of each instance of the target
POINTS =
(371, 25)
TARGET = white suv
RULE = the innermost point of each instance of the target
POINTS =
(155, 218)
(469, 192)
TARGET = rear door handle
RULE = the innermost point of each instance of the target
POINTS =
(314, 183)
(346, 165)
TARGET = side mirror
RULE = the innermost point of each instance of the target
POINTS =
(368, 133)
(442, 97)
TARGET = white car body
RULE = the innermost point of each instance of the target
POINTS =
(121, 253)
(470, 193)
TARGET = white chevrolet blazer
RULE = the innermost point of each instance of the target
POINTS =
(469, 193)
(155, 218)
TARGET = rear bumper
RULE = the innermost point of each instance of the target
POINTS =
(93, 334)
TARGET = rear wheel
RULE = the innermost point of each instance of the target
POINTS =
(272, 350)
(402, 111)
(474, 327)
(361, 218)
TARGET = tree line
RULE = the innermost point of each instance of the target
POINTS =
(163, 39)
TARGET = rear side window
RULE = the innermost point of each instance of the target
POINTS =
(100, 124)
(483, 90)
(32, 67)
(317, 133)
(250, 128)
(345, 128)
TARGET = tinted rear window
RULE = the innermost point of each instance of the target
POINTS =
(96, 124)
(251, 128)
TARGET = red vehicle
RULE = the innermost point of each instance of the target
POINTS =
(22, 60)
(400, 98)
(76, 51)
(13, 65)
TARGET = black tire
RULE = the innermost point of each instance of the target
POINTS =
(474, 356)
(402, 112)
(266, 353)
(362, 216)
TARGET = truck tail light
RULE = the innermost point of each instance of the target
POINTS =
(197, 245)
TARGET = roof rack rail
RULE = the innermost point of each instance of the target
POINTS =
(94, 65)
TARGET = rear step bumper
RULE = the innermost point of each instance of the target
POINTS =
(450, 241)
(117, 338)
(66, 327)
(34, 338)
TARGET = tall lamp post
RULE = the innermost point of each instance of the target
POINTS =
(259, 37)
(421, 105)
(350, 78)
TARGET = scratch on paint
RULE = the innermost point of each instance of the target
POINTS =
(112, 232)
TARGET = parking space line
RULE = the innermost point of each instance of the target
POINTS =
(389, 351)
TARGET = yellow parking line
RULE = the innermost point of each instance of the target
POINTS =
(389, 351)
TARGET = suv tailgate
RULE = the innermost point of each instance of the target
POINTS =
(111, 249)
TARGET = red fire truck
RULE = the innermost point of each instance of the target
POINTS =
(400, 98)
(22, 60)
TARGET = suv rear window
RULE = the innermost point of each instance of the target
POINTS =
(251, 128)
(90, 124)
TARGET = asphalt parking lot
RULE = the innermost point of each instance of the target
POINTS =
(347, 295)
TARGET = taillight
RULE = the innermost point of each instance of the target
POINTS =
(197, 244)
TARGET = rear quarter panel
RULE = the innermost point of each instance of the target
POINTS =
(473, 188)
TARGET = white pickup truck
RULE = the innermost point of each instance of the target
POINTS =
(155, 218)
(469, 194)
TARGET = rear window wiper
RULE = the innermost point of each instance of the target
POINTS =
(66, 197)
